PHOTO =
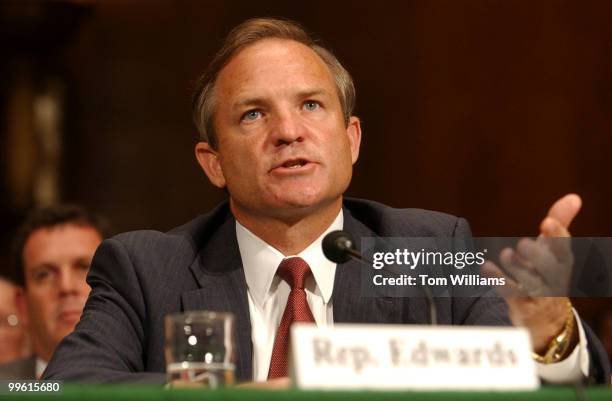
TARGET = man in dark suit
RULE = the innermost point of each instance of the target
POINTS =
(53, 250)
(275, 115)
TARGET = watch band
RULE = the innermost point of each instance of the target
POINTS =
(560, 343)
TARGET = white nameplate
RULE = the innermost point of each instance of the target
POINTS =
(357, 356)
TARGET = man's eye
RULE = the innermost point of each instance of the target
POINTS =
(311, 105)
(41, 275)
(251, 115)
(82, 265)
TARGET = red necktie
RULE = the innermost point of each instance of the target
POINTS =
(294, 271)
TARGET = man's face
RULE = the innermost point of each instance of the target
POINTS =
(283, 142)
(12, 334)
(55, 263)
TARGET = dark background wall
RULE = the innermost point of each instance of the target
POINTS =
(484, 109)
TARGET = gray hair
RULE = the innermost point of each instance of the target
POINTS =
(245, 34)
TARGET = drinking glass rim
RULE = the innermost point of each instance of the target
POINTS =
(197, 316)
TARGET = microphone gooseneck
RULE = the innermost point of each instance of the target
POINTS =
(339, 247)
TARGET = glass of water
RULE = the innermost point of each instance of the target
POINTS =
(200, 349)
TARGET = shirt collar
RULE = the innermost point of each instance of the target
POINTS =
(40, 367)
(260, 261)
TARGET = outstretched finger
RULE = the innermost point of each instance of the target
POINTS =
(510, 289)
(565, 209)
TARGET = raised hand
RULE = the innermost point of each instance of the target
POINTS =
(538, 273)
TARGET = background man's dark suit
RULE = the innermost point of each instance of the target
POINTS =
(21, 369)
(139, 277)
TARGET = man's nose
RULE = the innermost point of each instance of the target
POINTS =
(69, 282)
(287, 129)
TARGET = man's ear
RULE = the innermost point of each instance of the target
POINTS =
(208, 158)
(22, 305)
(353, 130)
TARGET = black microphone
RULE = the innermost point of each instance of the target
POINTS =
(339, 247)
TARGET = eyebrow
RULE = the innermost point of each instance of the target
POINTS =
(42, 266)
(255, 101)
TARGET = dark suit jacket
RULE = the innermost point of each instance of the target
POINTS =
(139, 277)
(21, 369)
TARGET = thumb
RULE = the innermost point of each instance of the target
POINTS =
(564, 210)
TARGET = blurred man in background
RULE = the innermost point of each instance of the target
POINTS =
(13, 338)
(53, 250)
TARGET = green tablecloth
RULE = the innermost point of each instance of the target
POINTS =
(148, 393)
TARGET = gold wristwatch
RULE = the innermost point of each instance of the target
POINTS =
(560, 343)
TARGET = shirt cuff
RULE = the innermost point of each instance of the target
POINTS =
(573, 368)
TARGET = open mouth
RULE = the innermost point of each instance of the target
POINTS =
(297, 163)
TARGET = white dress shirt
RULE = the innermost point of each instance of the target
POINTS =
(268, 294)
(40, 367)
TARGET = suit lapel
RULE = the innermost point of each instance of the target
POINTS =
(29, 368)
(349, 304)
(218, 272)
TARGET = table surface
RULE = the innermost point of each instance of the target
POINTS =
(151, 393)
